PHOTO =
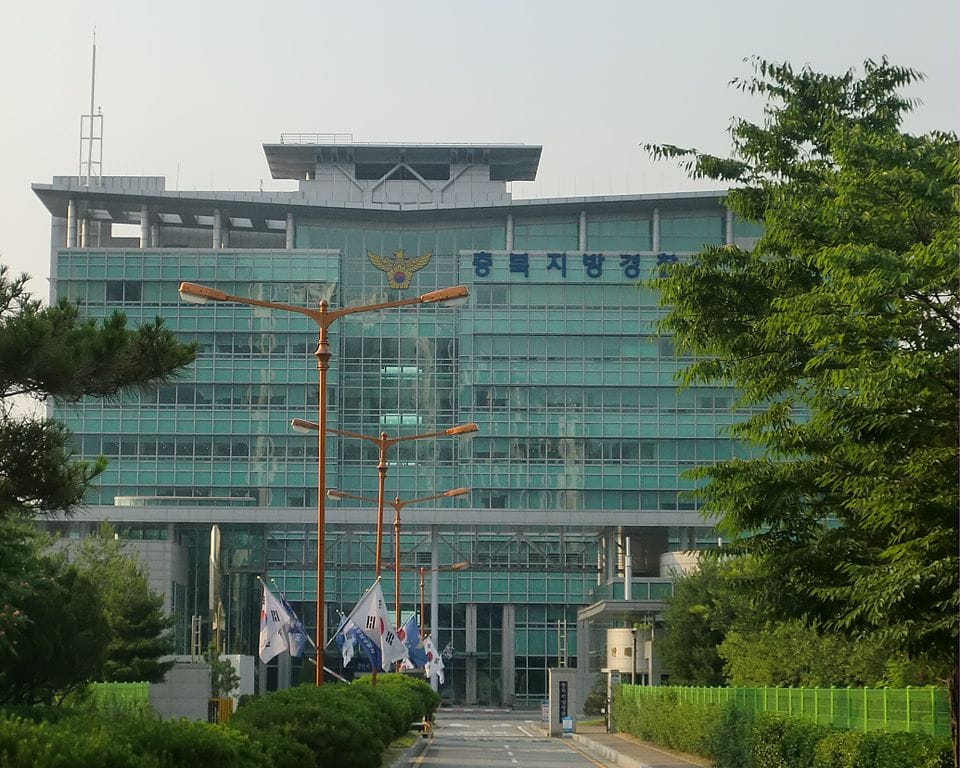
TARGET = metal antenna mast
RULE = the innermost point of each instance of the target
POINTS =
(91, 130)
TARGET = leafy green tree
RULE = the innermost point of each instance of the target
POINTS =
(722, 629)
(697, 618)
(840, 328)
(224, 679)
(140, 630)
(791, 654)
(51, 352)
(53, 630)
(61, 644)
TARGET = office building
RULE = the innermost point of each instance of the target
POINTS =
(582, 438)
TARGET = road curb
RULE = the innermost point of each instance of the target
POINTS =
(410, 753)
(608, 754)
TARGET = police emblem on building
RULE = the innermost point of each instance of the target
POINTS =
(399, 269)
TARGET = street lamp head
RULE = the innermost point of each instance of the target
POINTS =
(463, 429)
(303, 426)
(200, 294)
(333, 493)
(449, 297)
(457, 492)
(463, 564)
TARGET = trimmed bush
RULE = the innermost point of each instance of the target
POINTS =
(129, 741)
(660, 716)
(308, 726)
(780, 742)
(876, 749)
(735, 738)
(731, 744)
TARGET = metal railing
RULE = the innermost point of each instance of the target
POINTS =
(915, 710)
(316, 138)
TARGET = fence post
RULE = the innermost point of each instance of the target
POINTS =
(866, 701)
(849, 725)
(908, 706)
(885, 708)
(833, 708)
(816, 705)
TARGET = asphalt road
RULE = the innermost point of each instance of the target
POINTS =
(470, 739)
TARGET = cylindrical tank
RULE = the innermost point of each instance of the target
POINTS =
(620, 650)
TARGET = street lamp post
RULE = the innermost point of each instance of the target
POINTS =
(383, 443)
(398, 505)
(324, 317)
(423, 570)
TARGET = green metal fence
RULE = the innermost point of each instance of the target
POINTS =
(916, 710)
(114, 697)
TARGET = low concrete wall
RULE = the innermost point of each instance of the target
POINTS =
(184, 693)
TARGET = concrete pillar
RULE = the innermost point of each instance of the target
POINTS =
(509, 242)
(217, 229)
(154, 235)
(471, 654)
(284, 671)
(71, 223)
(144, 227)
(585, 675)
(655, 230)
(583, 230)
(729, 226)
(610, 554)
(290, 232)
(225, 235)
(563, 698)
(84, 232)
(508, 652)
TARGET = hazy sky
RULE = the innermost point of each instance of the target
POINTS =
(191, 90)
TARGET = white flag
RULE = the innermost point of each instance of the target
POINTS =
(274, 618)
(434, 659)
(371, 617)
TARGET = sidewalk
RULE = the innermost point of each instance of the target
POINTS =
(624, 750)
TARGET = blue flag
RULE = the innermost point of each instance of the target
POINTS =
(410, 634)
(296, 632)
(349, 636)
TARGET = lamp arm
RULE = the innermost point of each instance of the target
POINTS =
(357, 435)
(323, 319)
(335, 314)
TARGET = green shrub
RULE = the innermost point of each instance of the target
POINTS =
(308, 726)
(123, 741)
(878, 749)
(780, 742)
(659, 715)
(731, 744)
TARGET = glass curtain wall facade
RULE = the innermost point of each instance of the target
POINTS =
(583, 436)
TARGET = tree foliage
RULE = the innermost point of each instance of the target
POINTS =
(52, 352)
(139, 628)
(224, 679)
(840, 329)
(57, 621)
(697, 618)
(60, 643)
(722, 629)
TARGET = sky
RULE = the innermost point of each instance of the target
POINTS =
(191, 90)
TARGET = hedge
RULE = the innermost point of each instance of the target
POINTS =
(348, 726)
(735, 738)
